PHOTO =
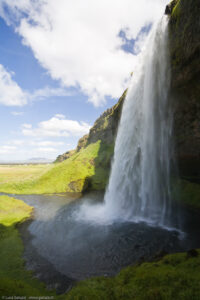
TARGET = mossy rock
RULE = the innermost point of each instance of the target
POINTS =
(187, 192)
(78, 186)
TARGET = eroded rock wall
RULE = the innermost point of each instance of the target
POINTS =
(184, 37)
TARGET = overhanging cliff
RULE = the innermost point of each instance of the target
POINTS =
(184, 42)
(184, 38)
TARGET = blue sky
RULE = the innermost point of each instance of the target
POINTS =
(60, 71)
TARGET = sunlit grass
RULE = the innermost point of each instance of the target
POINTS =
(13, 211)
(70, 175)
(17, 173)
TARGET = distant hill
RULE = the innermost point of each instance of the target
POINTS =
(34, 160)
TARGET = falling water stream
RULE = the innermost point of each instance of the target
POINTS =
(139, 185)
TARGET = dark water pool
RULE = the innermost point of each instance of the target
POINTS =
(62, 249)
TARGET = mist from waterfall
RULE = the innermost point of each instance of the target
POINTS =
(139, 183)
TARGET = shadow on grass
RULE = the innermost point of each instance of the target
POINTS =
(15, 280)
(102, 167)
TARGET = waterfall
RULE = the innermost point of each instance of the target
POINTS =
(139, 184)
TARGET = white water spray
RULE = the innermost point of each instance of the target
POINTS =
(139, 185)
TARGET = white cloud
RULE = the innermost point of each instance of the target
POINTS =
(6, 149)
(17, 113)
(78, 41)
(57, 126)
(48, 92)
(23, 149)
(29, 143)
(47, 143)
(46, 149)
(10, 92)
(17, 142)
(60, 116)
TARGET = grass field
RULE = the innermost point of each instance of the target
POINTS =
(14, 279)
(17, 173)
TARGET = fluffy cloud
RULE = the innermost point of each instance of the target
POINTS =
(78, 42)
(40, 143)
(46, 143)
(48, 92)
(28, 146)
(16, 142)
(57, 126)
(10, 92)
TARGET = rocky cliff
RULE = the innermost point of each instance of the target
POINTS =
(184, 38)
(184, 46)
(104, 129)
(99, 144)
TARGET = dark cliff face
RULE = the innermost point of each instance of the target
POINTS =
(184, 38)
(105, 127)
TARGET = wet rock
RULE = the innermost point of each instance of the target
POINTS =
(169, 8)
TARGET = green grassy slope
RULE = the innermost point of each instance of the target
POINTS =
(14, 279)
(86, 169)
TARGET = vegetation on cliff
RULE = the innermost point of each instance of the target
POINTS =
(104, 129)
(188, 193)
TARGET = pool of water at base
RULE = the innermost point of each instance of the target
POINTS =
(61, 249)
